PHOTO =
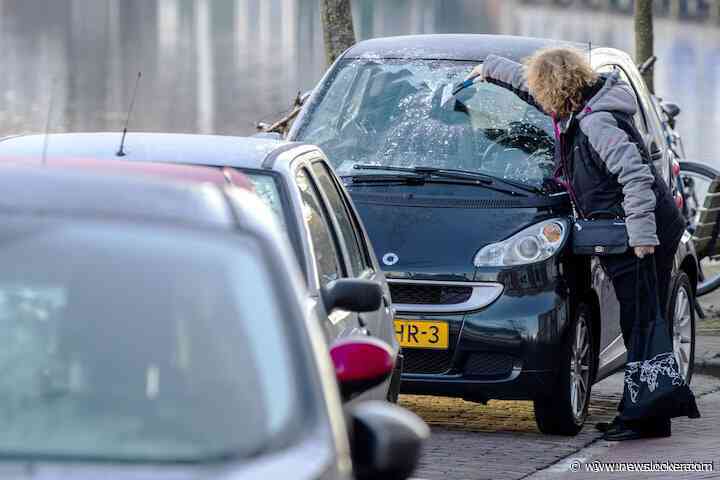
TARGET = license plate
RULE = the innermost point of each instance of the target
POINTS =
(422, 334)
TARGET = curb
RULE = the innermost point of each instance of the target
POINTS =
(708, 366)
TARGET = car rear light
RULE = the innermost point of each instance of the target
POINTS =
(679, 201)
(676, 168)
(361, 363)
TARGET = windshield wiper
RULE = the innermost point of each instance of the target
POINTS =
(452, 173)
(422, 177)
(388, 178)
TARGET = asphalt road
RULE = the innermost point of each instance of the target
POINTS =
(500, 440)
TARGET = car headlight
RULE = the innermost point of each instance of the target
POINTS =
(533, 244)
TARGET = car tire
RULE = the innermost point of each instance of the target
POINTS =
(681, 324)
(565, 412)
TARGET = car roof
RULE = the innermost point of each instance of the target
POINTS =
(469, 47)
(190, 173)
(82, 194)
(213, 150)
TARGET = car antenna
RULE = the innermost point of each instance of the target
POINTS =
(121, 150)
(46, 138)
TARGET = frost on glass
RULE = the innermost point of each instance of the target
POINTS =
(394, 113)
(27, 316)
(267, 190)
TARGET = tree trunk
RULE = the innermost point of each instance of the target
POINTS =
(337, 27)
(644, 38)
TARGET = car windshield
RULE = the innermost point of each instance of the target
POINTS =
(126, 343)
(400, 113)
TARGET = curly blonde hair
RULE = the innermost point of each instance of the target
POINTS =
(556, 78)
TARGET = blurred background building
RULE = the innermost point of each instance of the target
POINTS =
(221, 65)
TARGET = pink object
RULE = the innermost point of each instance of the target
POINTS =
(679, 201)
(361, 360)
(676, 168)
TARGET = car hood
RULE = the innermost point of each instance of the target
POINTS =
(435, 236)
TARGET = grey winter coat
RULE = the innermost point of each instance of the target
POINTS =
(601, 153)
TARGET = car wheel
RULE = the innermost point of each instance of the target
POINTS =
(565, 412)
(681, 323)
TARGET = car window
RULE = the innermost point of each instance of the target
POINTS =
(125, 343)
(398, 114)
(321, 236)
(347, 226)
(265, 187)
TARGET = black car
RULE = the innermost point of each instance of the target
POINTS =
(490, 304)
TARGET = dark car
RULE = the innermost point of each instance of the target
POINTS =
(294, 180)
(490, 303)
(157, 330)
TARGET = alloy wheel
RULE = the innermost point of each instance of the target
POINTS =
(580, 368)
(682, 330)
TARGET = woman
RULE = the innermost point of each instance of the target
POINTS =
(602, 161)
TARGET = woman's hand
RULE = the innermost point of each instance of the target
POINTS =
(644, 250)
(477, 72)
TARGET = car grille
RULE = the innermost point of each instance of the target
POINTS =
(426, 361)
(489, 364)
(423, 294)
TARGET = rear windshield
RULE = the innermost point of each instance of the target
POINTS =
(136, 344)
(397, 113)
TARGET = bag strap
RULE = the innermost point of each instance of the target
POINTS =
(636, 323)
(637, 326)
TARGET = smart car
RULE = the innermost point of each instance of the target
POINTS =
(490, 303)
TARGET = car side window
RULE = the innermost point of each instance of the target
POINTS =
(347, 226)
(323, 244)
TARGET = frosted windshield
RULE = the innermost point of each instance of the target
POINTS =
(400, 113)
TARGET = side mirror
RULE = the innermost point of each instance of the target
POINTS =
(352, 295)
(386, 441)
(360, 364)
(672, 110)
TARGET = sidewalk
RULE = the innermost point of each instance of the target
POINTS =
(707, 353)
(692, 441)
(707, 336)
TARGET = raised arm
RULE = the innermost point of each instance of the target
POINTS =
(508, 74)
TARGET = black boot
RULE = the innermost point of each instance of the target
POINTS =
(659, 428)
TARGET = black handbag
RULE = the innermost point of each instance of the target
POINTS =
(653, 385)
(599, 236)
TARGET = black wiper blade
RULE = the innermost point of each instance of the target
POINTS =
(489, 178)
(424, 179)
(385, 178)
(387, 168)
(452, 173)
(426, 172)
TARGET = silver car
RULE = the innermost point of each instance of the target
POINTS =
(157, 330)
(295, 180)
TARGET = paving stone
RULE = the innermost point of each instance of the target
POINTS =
(500, 440)
(693, 440)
